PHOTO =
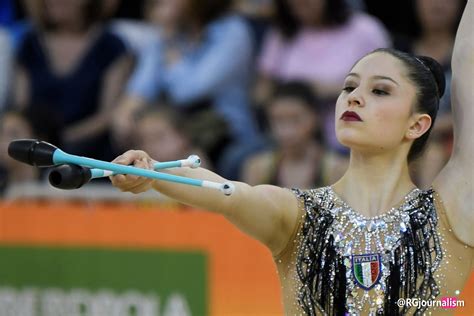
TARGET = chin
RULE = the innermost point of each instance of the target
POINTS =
(349, 137)
(350, 145)
(357, 141)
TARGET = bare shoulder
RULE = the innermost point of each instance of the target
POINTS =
(289, 206)
(455, 187)
(288, 202)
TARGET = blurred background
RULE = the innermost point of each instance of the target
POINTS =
(250, 86)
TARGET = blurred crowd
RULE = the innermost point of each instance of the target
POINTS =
(248, 85)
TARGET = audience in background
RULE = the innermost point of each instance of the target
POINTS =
(317, 41)
(13, 125)
(298, 157)
(438, 21)
(203, 53)
(70, 71)
(196, 63)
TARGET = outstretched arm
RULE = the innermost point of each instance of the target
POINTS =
(266, 213)
(455, 182)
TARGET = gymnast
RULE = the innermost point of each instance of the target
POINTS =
(372, 239)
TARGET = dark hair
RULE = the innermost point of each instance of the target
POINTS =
(428, 77)
(163, 112)
(206, 11)
(336, 12)
(202, 126)
(303, 92)
(299, 90)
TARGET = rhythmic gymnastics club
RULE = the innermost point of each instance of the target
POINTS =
(42, 154)
(69, 176)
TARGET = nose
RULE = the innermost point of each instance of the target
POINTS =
(355, 99)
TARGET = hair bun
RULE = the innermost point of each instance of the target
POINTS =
(437, 71)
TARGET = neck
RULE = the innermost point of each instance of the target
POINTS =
(299, 153)
(373, 184)
(72, 29)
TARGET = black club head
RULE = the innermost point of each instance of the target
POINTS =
(69, 177)
(32, 151)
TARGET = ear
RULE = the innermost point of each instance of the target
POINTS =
(419, 124)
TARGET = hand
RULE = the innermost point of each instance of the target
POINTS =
(131, 183)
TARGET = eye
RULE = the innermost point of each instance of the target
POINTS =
(348, 89)
(379, 92)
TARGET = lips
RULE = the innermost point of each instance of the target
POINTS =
(350, 116)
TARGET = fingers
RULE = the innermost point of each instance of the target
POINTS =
(129, 183)
(131, 156)
(132, 183)
(136, 186)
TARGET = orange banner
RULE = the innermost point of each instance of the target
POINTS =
(243, 278)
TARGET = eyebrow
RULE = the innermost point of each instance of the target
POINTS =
(374, 77)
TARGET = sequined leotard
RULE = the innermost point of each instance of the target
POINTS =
(338, 261)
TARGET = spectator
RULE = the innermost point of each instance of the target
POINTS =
(70, 72)
(13, 126)
(438, 21)
(317, 41)
(166, 135)
(204, 53)
(299, 157)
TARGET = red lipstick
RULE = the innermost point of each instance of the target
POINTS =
(350, 116)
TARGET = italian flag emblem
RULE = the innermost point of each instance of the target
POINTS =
(366, 269)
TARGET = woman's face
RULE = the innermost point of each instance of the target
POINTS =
(166, 13)
(379, 92)
(308, 12)
(292, 123)
(64, 11)
(160, 139)
(438, 14)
